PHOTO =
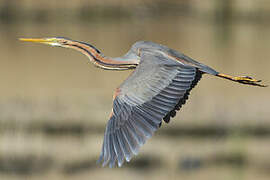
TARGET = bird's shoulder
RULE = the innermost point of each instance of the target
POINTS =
(149, 45)
(156, 49)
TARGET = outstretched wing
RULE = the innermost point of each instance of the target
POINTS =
(155, 90)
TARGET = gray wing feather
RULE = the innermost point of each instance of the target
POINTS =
(146, 97)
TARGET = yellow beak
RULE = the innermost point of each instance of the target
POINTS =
(35, 40)
(49, 41)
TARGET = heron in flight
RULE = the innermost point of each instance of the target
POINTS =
(157, 88)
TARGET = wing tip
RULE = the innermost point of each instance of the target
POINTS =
(112, 160)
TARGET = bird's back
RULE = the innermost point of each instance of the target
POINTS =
(172, 54)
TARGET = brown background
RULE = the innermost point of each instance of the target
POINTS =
(54, 104)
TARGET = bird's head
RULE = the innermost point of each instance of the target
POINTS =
(53, 41)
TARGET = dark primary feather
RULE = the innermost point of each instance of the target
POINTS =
(154, 91)
(183, 100)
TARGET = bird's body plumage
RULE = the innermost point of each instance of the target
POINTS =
(148, 95)
(158, 87)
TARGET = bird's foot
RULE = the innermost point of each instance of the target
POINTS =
(248, 80)
(243, 80)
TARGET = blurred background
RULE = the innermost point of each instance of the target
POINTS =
(54, 104)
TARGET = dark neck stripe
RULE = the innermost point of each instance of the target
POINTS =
(99, 61)
(90, 46)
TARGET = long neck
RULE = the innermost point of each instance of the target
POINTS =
(101, 61)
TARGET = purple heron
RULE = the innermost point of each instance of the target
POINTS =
(158, 87)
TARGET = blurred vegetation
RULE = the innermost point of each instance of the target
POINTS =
(18, 11)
